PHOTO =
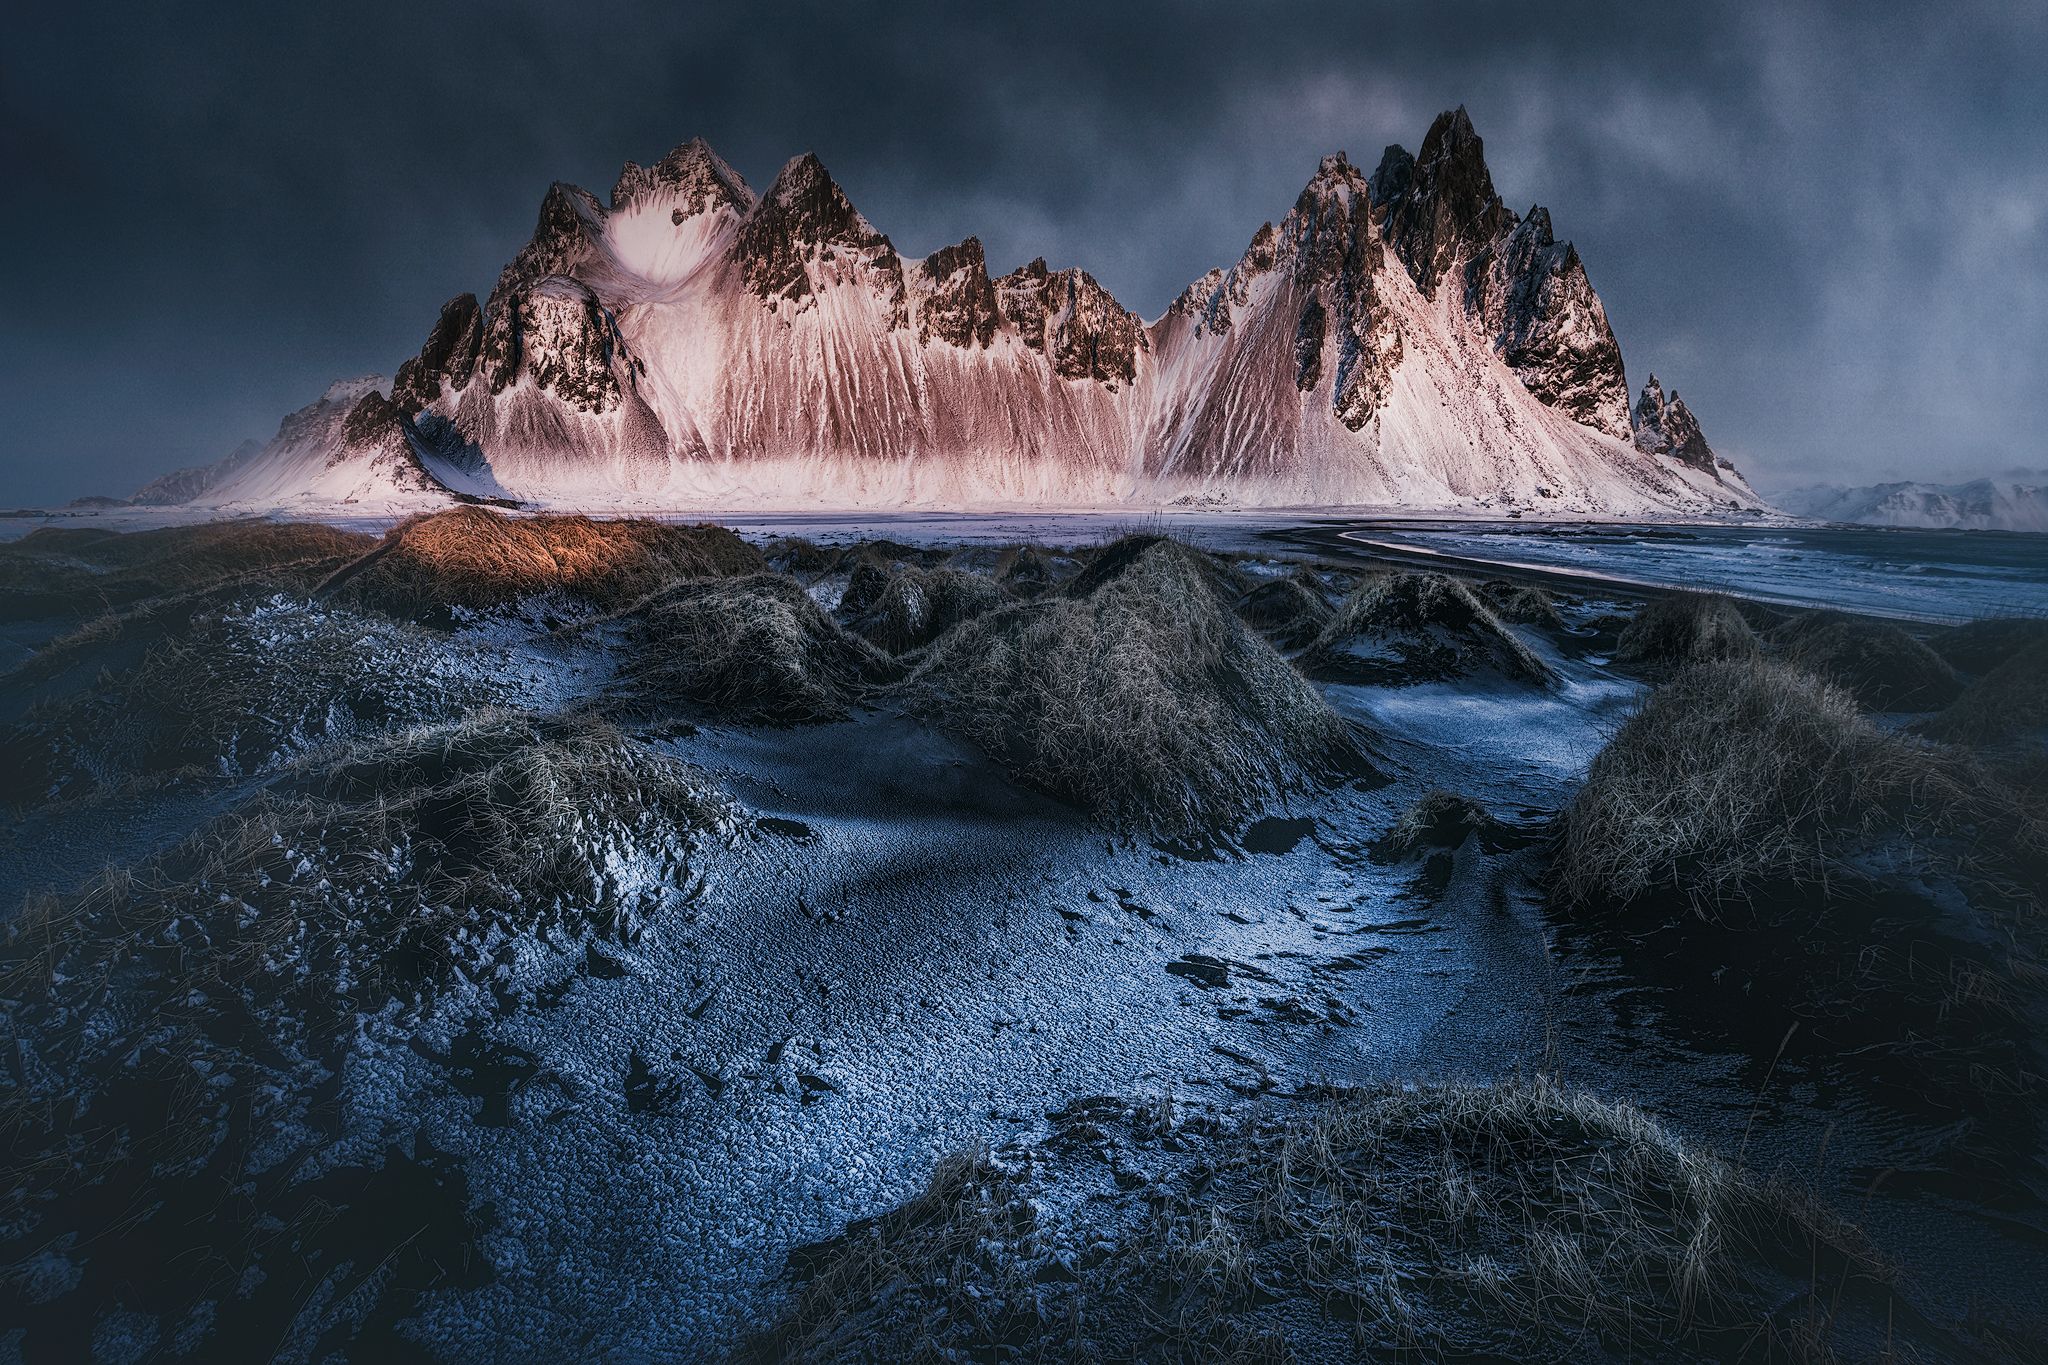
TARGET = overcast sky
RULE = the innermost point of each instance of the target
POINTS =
(1827, 226)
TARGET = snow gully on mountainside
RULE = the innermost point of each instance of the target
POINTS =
(1402, 339)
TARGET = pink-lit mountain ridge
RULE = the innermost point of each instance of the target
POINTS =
(1398, 339)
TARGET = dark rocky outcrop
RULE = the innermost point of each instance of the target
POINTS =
(1439, 207)
(1531, 294)
(449, 356)
(1336, 254)
(1528, 290)
(1074, 321)
(962, 308)
(693, 175)
(1667, 427)
(560, 242)
(803, 223)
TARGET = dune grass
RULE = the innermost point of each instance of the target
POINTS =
(915, 606)
(1879, 664)
(474, 558)
(380, 870)
(1744, 777)
(1290, 611)
(2010, 702)
(1027, 570)
(1136, 693)
(176, 1028)
(1512, 1221)
(239, 690)
(800, 555)
(755, 648)
(1444, 820)
(1523, 604)
(1686, 628)
(1398, 628)
(74, 572)
(1979, 646)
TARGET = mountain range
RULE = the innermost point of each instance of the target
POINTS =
(2017, 503)
(1399, 339)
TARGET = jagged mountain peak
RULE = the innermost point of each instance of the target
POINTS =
(813, 206)
(1074, 322)
(449, 356)
(1336, 168)
(562, 236)
(1452, 136)
(805, 233)
(965, 254)
(1664, 425)
(1441, 206)
(694, 176)
(1392, 177)
(962, 307)
(1335, 178)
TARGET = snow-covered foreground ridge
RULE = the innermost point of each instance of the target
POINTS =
(1399, 340)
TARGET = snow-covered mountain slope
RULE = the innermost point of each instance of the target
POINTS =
(1402, 339)
(348, 445)
(1979, 505)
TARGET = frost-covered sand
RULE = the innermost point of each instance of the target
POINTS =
(873, 947)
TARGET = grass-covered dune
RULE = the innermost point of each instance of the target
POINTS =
(756, 648)
(73, 572)
(1401, 628)
(1746, 777)
(1136, 693)
(913, 606)
(1684, 628)
(177, 1031)
(1884, 668)
(1519, 1221)
(2008, 703)
(379, 867)
(230, 690)
(1290, 611)
(472, 557)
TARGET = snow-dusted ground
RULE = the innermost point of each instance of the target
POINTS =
(909, 955)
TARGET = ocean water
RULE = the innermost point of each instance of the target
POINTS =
(1935, 576)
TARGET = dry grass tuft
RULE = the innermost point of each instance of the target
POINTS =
(754, 649)
(1418, 627)
(915, 606)
(800, 555)
(1138, 695)
(73, 572)
(1738, 777)
(1880, 665)
(1523, 604)
(1980, 646)
(1687, 628)
(1290, 611)
(474, 558)
(1027, 570)
(2008, 703)
(1444, 820)
(1512, 1221)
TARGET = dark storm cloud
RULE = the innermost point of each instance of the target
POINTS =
(1828, 226)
